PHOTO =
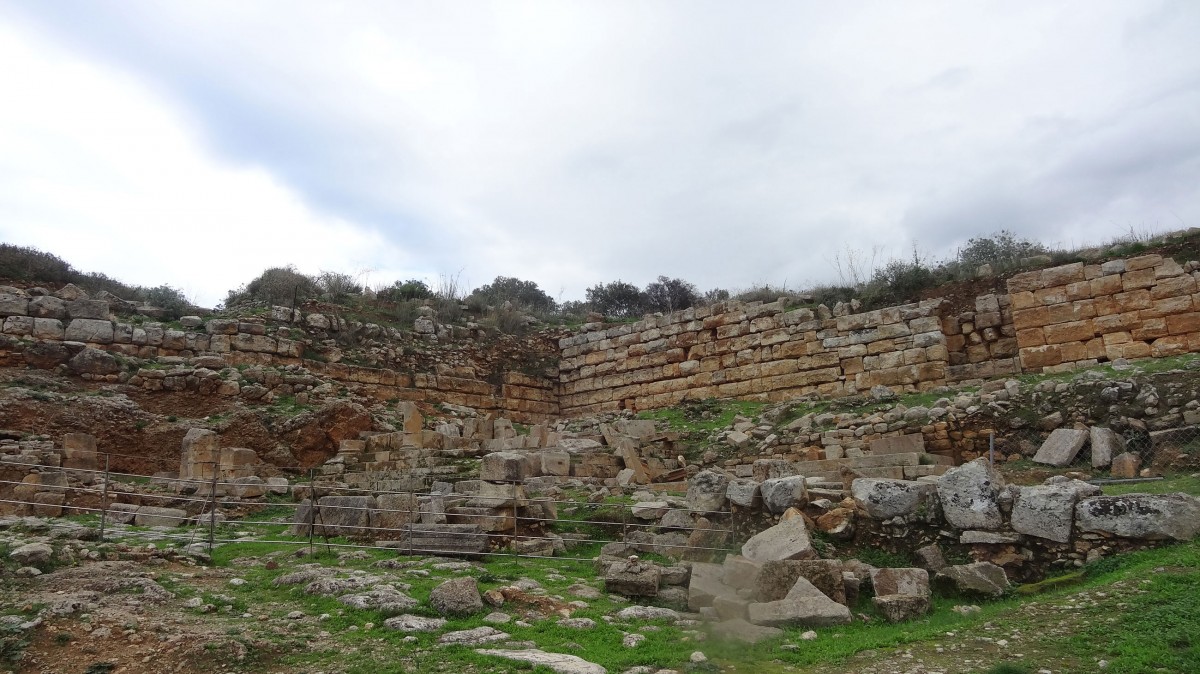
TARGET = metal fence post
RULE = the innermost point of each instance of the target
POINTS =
(991, 448)
(212, 510)
(312, 508)
(514, 509)
(104, 498)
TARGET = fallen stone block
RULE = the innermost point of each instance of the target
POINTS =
(1047, 511)
(743, 631)
(911, 582)
(781, 493)
(977, 578)
(898, 608)
(706, 491)
(778, 579)
(1106, 444)
(150, 516)
(805, 605)
(787, 540)
(558, 662)
(1061, 447)
(632, 578)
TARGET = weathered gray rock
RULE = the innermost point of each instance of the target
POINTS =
(89, 331)
(911, 582)
(1105, 445)
(977, 578)
(473, 637)
(632, 578)
(456, 597)
(649, 510)
(1047, 510)
(706, 491)
(898, 608)
(743, 492)
(786, 540)
(743, 631)
(32, 554)
(969, 495)
(740, 573)
(1125, 465)
(781, 493)
(414, 623)
(1061, 447)
(559, 662)
(885, 499)
(48, 306)
(677, 519)
(1144, 516)
(804, 605)
(336, 516)
(930, 558)
(150, 516)
(647, 613)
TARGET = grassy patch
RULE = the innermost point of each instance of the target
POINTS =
(704, 415)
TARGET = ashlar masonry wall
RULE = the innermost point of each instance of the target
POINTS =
(754, 351)
(1078, 315)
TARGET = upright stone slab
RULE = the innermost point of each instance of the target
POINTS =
(779, 494)
(1105, 445)
(200, 454)
(79, 452)
(970, 495)
(414, 421)
(1061, 447)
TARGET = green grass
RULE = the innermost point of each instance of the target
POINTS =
(704, 416)
(1186, 483)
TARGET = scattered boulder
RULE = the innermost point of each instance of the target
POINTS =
(786, 540)
(779, 494)
(94, 362)
(706, 491)
(473, 637)
(632, 578)
(778, 578)
(1126, 466)
(457, 596)
(559, 662)
(977, 578)
(647, 613)
(32, 554)
(898, 608)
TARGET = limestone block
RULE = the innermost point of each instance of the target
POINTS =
(969, 495)
(89, 331)
(885, 499)
(1141, 516)
(1061, 447)
(787, 540)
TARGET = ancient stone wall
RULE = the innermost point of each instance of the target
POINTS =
(1079, 314)
(1055, 319)
(190, 357)
(754, 351)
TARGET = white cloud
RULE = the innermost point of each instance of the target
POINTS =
(571, 142)
(102, 172)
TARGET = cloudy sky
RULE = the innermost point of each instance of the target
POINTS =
(569, 143)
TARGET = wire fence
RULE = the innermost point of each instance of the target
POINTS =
(499, 519)
(1121, 453)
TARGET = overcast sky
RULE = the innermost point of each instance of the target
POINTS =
(569, 143)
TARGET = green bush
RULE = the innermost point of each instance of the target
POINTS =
(670, 294)
(525, 295)
(617, 299)
(276, 286)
